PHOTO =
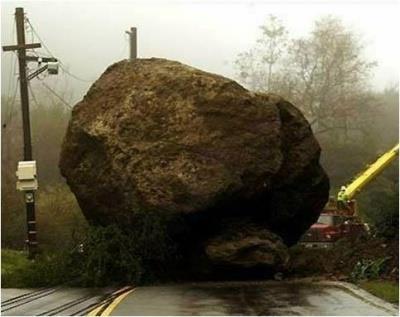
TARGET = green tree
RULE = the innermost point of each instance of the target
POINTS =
(379, 203)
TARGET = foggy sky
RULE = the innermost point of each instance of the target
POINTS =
(89, 36)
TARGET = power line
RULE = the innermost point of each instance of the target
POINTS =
(33, 95)
(52, 91)
(11, 98)
(12, 69)
(11, 106)
(62, 66)
(39, 38)
(126, 41)
(57, 95)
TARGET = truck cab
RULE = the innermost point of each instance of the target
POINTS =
(330, 228)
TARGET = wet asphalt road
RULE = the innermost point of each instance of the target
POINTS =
(244, 298)
(51, 301)
(224, 298)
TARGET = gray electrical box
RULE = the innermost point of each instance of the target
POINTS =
(52, 68)
(26, 176)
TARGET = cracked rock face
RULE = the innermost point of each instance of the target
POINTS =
(159, 136)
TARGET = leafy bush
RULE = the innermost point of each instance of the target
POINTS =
(45, 270)
(368, 269)
(12, 264)
(380, 205)
(130, 255)
(107, 255)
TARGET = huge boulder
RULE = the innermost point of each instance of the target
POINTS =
(158, 136)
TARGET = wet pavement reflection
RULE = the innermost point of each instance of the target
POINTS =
(245, 298)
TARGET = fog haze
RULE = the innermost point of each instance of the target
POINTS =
(89, 36)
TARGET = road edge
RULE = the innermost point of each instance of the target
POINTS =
(364, 295)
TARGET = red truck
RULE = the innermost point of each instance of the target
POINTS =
(331, 227)
(339, 219)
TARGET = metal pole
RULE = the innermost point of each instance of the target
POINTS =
(133, 43)
(29, 195)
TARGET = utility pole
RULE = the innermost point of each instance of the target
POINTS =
(26, 172)
(133, 43)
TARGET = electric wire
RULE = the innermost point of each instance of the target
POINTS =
(29, 29)
(33, 95)
(62, 65)
(10, 106)
(52, 91)
(57, 95)
(13, 63)
(31, 90)
(126, 41)
(11, 98)
(39, 38)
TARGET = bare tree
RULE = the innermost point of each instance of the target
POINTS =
(273, 42)
(256, 65)
(324, 74)
(330, 75)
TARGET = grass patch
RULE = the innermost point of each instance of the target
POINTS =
(387, 290)
(13, 262)
(46, 270)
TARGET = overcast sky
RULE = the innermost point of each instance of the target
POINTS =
(87, 36)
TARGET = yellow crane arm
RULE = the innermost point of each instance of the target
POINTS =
(371, 172)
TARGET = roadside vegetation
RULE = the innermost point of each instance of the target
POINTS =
(104, 256)
(12, 262)
(364, 125)
(47, 270)
(350, 260)
(370, 262)
(387, 290)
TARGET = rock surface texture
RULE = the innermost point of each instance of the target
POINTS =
(158, 136)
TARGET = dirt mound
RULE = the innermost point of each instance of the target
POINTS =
(366, 257)
(158, 136)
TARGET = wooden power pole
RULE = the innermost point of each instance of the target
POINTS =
(21, 48)
(133, 43)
